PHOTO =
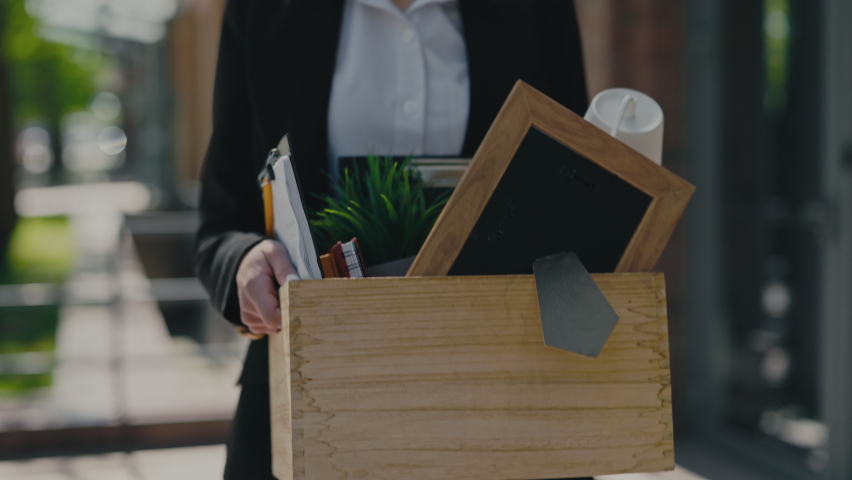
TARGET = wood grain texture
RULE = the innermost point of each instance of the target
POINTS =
(527, 107)
(449, 378)
(280, 393)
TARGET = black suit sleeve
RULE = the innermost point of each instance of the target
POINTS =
(231, 208)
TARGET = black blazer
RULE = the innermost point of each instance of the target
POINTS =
(274, 76)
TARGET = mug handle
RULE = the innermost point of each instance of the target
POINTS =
(627, 109)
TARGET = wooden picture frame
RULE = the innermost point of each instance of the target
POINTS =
(527, 108)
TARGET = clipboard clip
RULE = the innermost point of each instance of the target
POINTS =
(267, 174)
(575, 314)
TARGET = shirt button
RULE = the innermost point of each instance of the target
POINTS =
(410, 106)
(408, 36)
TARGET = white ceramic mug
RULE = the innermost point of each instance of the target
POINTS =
(632, 117)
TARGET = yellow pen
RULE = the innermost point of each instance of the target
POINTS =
(264, 179)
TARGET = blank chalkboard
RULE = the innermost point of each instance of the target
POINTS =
(552, 200)
(545, 181)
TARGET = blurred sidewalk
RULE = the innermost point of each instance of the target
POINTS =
(679, 473)
(115, 361)
(193, 463)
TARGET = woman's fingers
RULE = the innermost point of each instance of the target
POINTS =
(260, 268)
(277, 257)
(261, 292)
(254, 323)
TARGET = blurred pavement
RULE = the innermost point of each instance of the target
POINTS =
(191, 463)
(115, 361)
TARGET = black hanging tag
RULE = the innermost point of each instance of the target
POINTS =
(575, 315)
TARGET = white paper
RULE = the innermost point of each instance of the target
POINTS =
(291, 222)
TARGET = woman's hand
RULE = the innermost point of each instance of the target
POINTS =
(267, 262)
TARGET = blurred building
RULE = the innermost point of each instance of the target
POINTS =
(135, 356)
(164, 58)
(759, 275)
(771, 302)
(194, 47)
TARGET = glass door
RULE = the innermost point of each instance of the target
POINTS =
(770, 237)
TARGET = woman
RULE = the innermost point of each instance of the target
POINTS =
(343, 77)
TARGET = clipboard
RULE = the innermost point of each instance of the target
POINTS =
(285, 215)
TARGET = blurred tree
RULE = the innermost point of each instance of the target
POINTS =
(39, 81)
(49, 79)
(7, 191)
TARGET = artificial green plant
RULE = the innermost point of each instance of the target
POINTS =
(384, 206)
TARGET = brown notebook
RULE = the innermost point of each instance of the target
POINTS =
(329, 266)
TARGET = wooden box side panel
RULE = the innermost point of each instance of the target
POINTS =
(448, 377)
(280, 398)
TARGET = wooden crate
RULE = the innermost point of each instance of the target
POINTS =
(449, 378)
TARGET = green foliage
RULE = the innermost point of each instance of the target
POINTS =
(27, 329)
(49, 80)
(777, 37)
(17, 384)
(385, 207)
(41, 250)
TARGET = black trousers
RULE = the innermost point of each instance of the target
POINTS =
(249, 442)
(249, 445)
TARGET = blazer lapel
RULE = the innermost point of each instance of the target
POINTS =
(293, 70)
(312, 68)
(293, 56)
(501, 49)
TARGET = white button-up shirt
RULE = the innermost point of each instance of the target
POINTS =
(401, 81)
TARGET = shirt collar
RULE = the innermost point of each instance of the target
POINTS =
(388, 5)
